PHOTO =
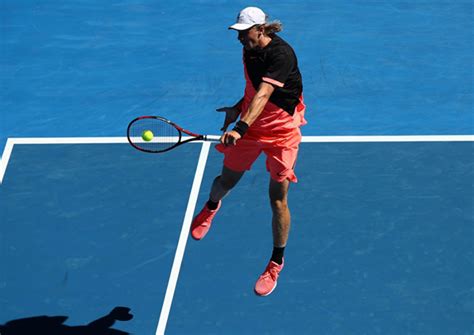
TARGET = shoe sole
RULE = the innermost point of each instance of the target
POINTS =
(264, 295)
(197, 238)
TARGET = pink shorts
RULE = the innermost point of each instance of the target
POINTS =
(281, 154)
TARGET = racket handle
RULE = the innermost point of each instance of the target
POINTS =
(212, 138)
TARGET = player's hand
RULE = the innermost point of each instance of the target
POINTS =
(231, 115)
(230, 138)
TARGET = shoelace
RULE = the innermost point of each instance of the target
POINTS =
(270, 271)
(207, 213)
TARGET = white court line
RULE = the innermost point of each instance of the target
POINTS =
(183, 237)
(7, 151)
(306, 139)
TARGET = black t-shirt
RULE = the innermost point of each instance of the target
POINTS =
(276, 64)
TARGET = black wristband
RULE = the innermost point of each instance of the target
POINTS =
(241, 127)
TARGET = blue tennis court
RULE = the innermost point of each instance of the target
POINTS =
(93, 231)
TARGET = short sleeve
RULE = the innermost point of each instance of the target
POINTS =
(279, 68)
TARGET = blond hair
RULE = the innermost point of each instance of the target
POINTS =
(270, 28)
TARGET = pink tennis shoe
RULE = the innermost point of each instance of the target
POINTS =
(267, 282)
(202, 222)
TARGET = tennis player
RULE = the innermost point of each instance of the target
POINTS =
(271, 113)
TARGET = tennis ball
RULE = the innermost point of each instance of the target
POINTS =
(147, 135)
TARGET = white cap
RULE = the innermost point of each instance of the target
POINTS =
(249, 17)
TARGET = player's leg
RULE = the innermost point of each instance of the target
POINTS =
(281, 219)
(223, 184)
(281, 160)
(220, 188)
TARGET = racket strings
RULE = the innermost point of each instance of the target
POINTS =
(165, 135)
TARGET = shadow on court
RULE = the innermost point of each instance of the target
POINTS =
(54, 325)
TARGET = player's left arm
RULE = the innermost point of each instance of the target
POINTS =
(258, 103)
(256, 107)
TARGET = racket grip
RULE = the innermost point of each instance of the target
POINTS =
(212, 138)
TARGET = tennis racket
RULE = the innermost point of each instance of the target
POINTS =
(155, 134)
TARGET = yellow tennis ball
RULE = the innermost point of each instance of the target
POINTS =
(147, 135)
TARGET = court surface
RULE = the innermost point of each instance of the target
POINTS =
(382, 215)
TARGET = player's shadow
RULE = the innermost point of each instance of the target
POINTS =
(54, 325)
